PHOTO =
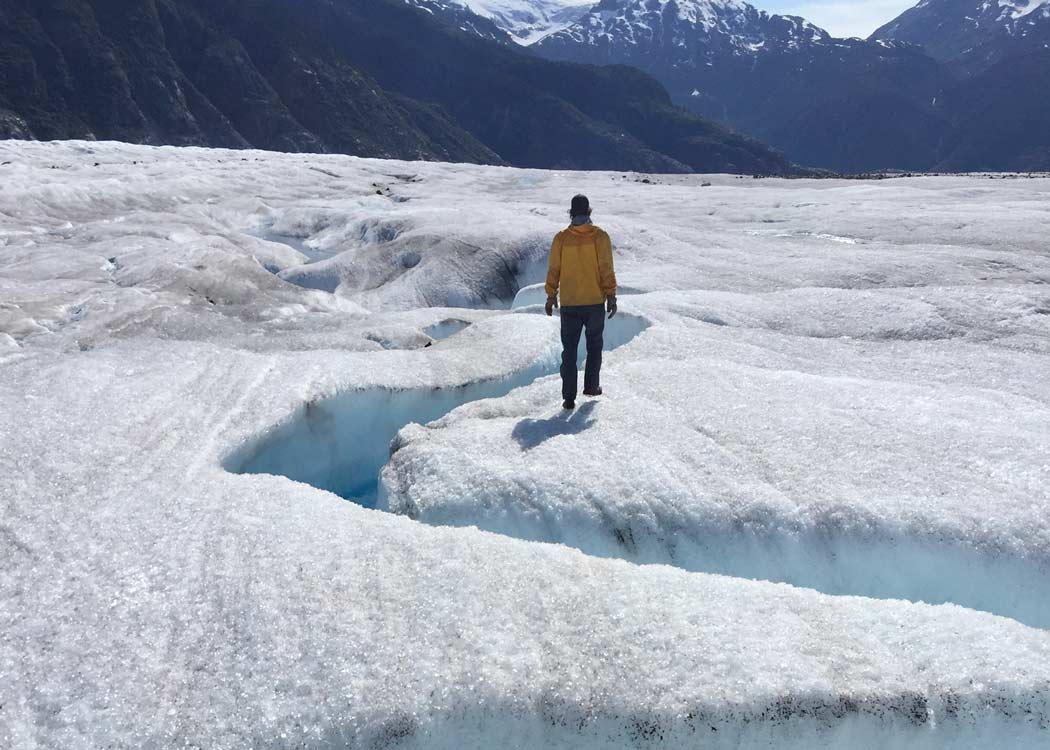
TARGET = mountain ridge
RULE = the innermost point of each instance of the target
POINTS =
(526, 21)
(779, 78)
(973, 35)
(850, 105)
(264, 74)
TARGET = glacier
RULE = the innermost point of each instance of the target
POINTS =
(811, 510)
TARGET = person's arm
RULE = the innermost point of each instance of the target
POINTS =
(554, 269)
(606, 272)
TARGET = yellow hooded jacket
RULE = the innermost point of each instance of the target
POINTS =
(581, 265)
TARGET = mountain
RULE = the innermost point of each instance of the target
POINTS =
(526, 21)
(973, 34)
(455, 15)
(948, 85)
(683, 32)
(166, 72)
(997, 113)
(367, 77)
(1000, 118)
(847, 104)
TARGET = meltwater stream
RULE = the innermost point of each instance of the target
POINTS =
(341, 443)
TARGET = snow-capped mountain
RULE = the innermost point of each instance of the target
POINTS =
(458, 15)
(973, 33)
(525, 21)
(906, 98)
(998, 111)
(682, 32)
(530, 20)
(777, 77)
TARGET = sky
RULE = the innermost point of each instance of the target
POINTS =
(840, 17)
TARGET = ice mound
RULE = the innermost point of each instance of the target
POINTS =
(383, 263)
(446, 328)
(7, 341)
(419, 271)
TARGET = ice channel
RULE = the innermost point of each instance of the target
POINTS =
(340, 444)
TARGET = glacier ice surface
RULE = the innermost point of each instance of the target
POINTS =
(794, 405)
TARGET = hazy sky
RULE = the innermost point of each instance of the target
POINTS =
(840, 17)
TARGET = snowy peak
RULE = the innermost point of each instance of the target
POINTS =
(777, 78)
(706, 13)
(733, 23)
(1012, 15)
(973, 33)
(1018, 9)
(530, 20)
(686, 32)
(457, 15)
(524, 21)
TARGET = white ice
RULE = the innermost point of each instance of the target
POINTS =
(864, 420)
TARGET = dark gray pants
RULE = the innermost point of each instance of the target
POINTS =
(573, 320)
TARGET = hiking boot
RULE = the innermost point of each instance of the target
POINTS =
(595, 392)
(569, 405)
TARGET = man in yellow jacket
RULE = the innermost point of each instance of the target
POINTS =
(581, 266)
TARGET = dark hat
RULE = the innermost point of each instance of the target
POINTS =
(580, 206)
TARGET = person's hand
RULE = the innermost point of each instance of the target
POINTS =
(552, 302)
(610, 305)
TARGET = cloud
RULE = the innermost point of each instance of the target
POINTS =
(847, 17)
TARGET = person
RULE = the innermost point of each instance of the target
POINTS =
(581, 269)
